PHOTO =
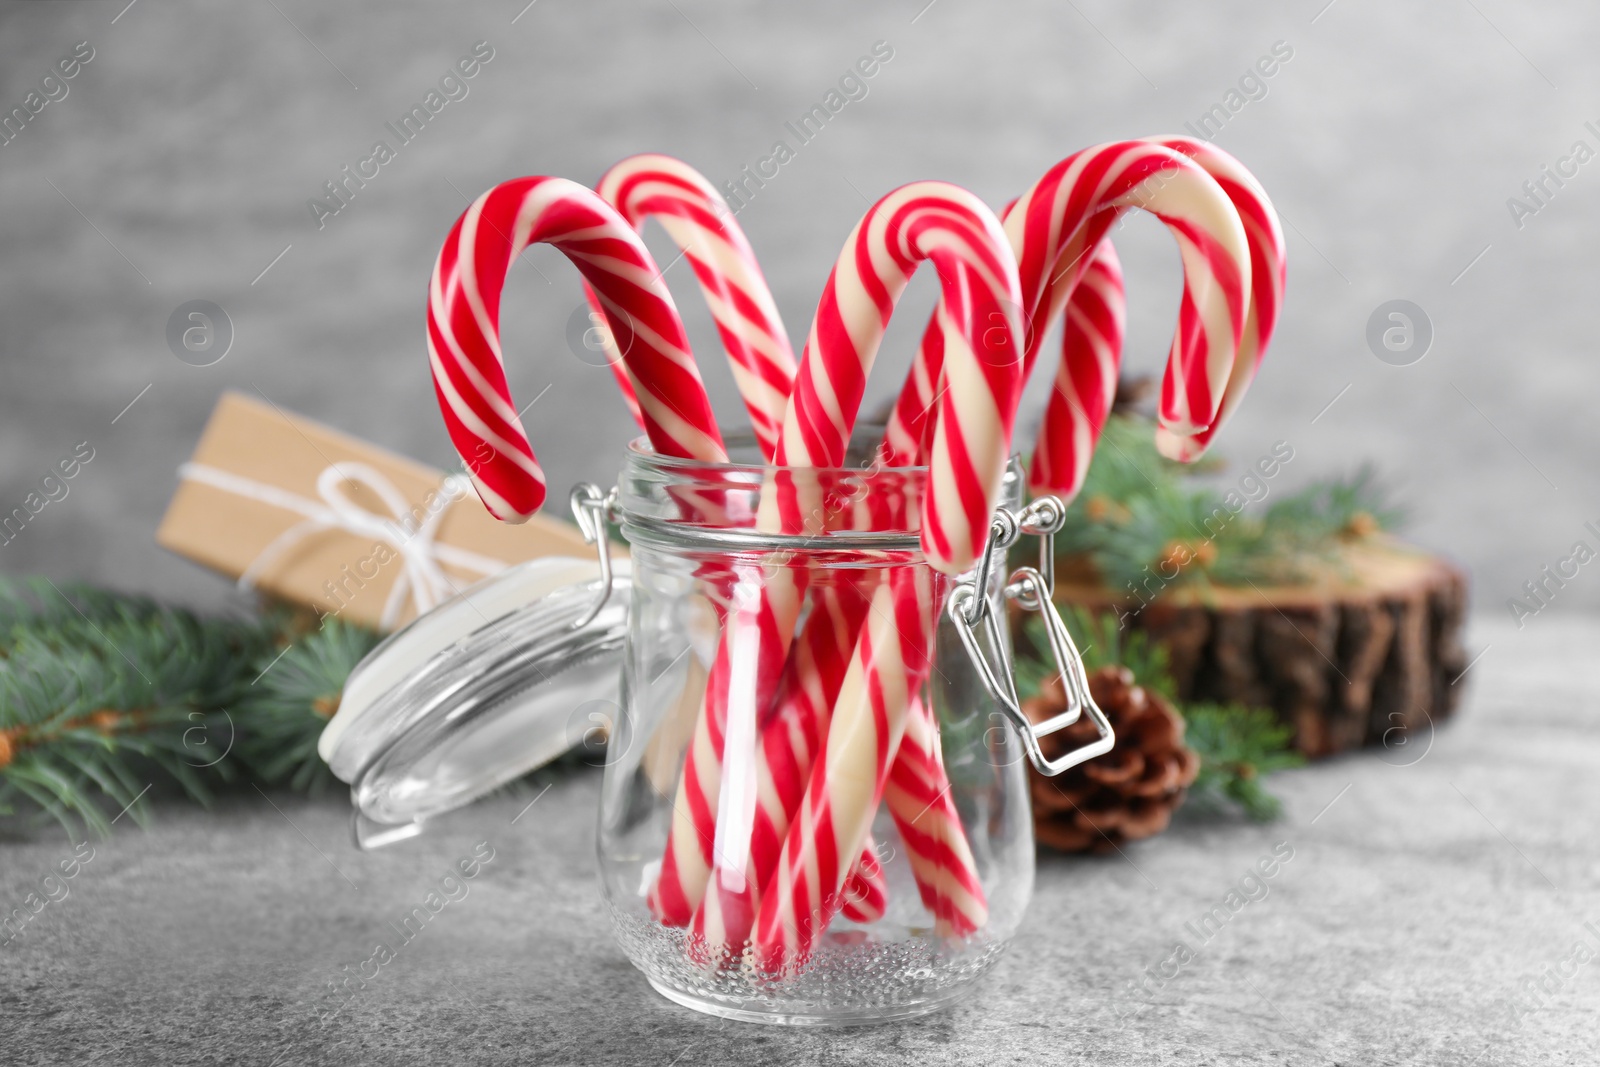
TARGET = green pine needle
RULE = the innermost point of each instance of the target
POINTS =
(1237, 746)
(102, 695)
(1136, 505)
(297, 691)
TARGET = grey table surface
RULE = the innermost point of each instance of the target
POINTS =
(1431, 884)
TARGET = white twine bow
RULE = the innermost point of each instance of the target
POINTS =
(423, 578)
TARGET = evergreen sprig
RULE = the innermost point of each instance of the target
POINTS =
(1237, 746)
(102, 694)
(1141, 515)
(295, 693)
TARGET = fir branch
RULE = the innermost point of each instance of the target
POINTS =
(1237, 746)
(292, 697)
(102, 694)
(1146, 523)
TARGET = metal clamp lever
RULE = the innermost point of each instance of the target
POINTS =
(1032, 588)
(591, 509)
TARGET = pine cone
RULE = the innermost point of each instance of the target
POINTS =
(1127, 794)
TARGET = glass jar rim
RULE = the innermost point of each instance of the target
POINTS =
(677, 535)
(640, 448)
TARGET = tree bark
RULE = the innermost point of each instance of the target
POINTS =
(1368, 653)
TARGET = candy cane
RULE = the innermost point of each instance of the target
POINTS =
(941, 857)
(911, 419)
(1055, 230)
(1064, 215)
(1268, 275)
(926, 220)
(982, 363)
(1065, 262)
(1091, 352)
(971, 439)
(1091, 344)
(697, 219)
(892, 655)
(464, 333)
(1089, 287)
(1086, 380)
(918, 796)
(659, 371)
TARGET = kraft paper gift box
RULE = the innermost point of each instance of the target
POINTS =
(324, 520)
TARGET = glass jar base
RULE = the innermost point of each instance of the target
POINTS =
(854, 976)
(778, 1014)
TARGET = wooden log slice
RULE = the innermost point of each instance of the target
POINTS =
(1366, 653)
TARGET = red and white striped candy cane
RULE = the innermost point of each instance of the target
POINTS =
(890, 661)
(927, 220)
(699, 222)
(1092, 330)
(1091, 345)
(1090, 289)
(918, 796)
(1091, 353)
(697, 219)
(464, 344)
(464, 333)
(1055, 225)
(1268, 274)
(1065, 261)
(905, 442)
(1056, 230)
(982, 362)
(980, 315)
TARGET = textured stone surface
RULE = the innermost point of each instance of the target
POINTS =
(1428, 882)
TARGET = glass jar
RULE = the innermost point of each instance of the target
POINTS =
(700, 565)
(769, 684)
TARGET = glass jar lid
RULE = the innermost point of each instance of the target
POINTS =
(488, 686)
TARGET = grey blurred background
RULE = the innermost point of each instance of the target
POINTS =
(179, 165)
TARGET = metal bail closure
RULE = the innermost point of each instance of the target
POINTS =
(592, 509)
(1030, 587)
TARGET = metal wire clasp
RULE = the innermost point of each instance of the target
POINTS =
(591, 509)
(1032, 588)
